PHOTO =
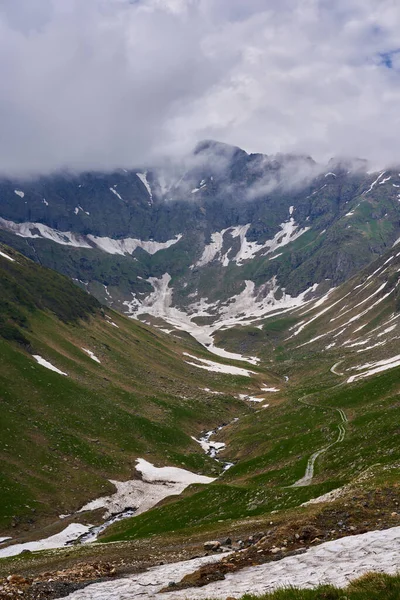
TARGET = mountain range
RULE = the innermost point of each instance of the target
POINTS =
(234, 315)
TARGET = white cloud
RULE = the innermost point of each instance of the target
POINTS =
(106, 83)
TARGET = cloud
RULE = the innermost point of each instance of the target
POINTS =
(116, 83)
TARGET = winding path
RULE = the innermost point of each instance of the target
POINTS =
(309, 474)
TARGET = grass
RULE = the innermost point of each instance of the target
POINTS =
(142, 400)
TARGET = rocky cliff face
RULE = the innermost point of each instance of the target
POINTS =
(222, 238)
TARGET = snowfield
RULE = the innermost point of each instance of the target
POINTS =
(58, 540)
(248, 307)
(138, 495)
(66, 238)
(156, 484)
(337, 562)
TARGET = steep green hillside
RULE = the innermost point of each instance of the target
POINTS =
(65, 435)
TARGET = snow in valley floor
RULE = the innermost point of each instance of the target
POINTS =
(337, 562)
(132, 497)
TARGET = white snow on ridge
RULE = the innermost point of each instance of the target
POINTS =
(4, 255)
(212, 249)
(144, 180)
(38, 230)
(67, 238)
(288, 233)
(59, 540)
(352, 557)
(373, 184)
(129, 245)
(45, 363)
(114, 191)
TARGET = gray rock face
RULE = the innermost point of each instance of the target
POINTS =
(255, 225)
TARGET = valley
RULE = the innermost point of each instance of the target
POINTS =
(238, 375)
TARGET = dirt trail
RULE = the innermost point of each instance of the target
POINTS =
(309, 474)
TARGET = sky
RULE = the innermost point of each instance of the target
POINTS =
(102, 84)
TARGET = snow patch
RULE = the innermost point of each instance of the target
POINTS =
(214, 367)
(129, 245)
(92, 356)
(19, 193)
(336, 562)
(4, 255)
(375, 367)
(114, 191)
(59, 540)
(156, 484)
(144, 180)
(48, 365)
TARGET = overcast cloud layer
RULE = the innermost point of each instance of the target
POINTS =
(98, 84)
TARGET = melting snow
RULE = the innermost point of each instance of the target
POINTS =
(250, 398)
(336, 562)
(6, 256)
(270, 389)
(244, 309)
(211, 250)
(92, 356)
(375, 367)
(144, 180)
(373, 184)
(48, 365)
(66, 238)
(114, 191)
(59, 540)
(142, 494)
(129, 245)
(287, 234)
(209, 365)
(38, 230)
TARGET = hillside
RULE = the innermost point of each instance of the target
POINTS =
(85, 392)
(307, 415)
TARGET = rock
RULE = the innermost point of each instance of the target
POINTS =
(212, 545)
(18, 580)
(227, 542)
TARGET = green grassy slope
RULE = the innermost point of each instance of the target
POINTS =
(63, 437)
(271, 448)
